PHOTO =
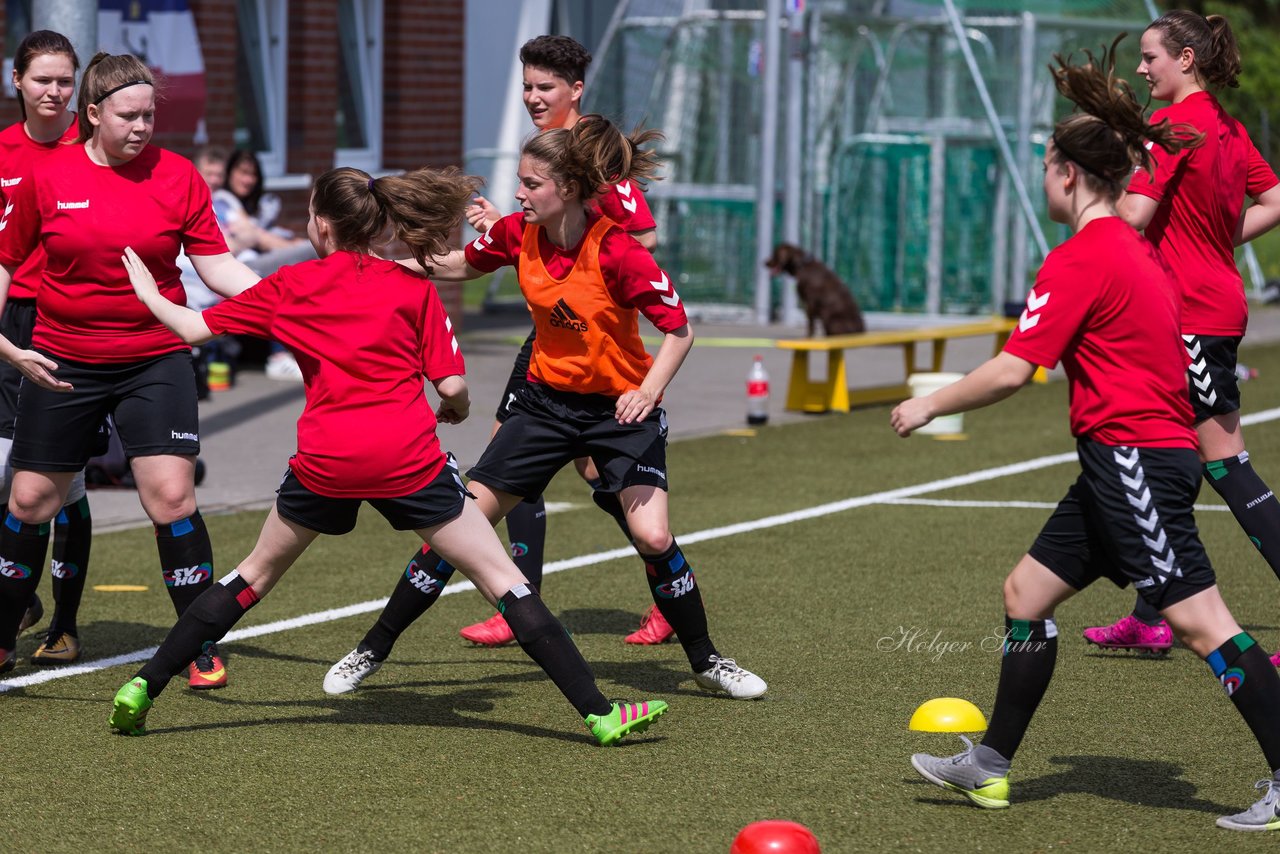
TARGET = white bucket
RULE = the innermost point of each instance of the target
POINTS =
(924, 384)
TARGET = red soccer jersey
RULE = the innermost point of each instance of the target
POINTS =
(1201, 193)
(18, 154)
(630, 274)
(84, 215)
(366, 332)
(625, 204)
(1106, 306)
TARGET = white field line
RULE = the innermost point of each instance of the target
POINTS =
(891, 495)
(1012, 505)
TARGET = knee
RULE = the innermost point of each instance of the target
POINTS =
(168, 504)
(650, 539)
(33, 506)
(1015, 597)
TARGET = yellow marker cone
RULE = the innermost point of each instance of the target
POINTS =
(948, 714)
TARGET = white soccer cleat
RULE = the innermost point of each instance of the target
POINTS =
(725, 675)
(346, 676)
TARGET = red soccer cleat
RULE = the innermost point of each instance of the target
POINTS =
(654, 628)
(207, 671)
(491, 632)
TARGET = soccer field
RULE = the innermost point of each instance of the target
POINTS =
(858, 573)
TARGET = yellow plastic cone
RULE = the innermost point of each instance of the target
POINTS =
(948, 714)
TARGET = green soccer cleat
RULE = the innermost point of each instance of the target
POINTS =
(624, 718)
(961, 774)
(129, 715)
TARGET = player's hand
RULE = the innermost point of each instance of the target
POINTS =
(144, 284)
(482, 214)
(910, 415)
(453, 413)
(39, 369)
(635, 406)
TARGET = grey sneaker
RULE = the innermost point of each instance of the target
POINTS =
(961, 774)
(725, 675)
(1263, 815)
(346, 676)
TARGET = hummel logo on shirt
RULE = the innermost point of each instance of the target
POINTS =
(10, 182)
(71, 206)
(563, 317)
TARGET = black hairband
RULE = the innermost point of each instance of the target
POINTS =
(110, 92)
(1070, 156)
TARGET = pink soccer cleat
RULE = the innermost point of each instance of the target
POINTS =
(491, 632)
(654, 628)
(1131, 633)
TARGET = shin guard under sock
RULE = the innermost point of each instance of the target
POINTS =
(527, 532)
(22, 549)
(416, 591)
(545, 640)
(1251, 681)
(72, 539)
(1030, 652)
(1251, 502)
(186, 559)
(1145, 612)
(208, 618)
(680, 602)
(611, 503)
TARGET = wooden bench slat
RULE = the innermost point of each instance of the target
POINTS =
(885, 337)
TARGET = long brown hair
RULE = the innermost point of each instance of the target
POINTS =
(423, 207)
(593, 154)
(104, 76)
(41, 43)
(1107, 137)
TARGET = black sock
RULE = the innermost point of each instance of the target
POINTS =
(22, 549)
(208, 618)
(679, 601)
(1030, 651)
(1251, 681)
(544, 640)
(186, 559)
(610, 503)
(1251, 502)
(527, 531)
(1145, 612)
(72, 538)
(416, 591)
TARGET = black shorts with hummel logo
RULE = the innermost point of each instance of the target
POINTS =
(1212, 384)
(1129, 517)
(546, 429)
(153, 405)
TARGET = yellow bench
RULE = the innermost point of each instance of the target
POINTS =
(833, 393)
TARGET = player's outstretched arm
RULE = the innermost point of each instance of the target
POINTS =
(182, 321)
(994, 380)
(455, 399)
(223, 274)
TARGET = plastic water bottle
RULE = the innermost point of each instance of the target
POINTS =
(757, 393)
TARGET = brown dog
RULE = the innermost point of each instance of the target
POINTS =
(823, 295)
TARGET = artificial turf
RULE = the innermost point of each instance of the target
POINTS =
(854, 617)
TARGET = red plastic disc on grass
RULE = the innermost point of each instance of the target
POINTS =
(775, 837)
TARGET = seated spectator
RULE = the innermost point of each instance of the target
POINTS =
(249, 217)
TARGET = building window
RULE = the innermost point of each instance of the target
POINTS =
(261, 81)
(359, 108)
